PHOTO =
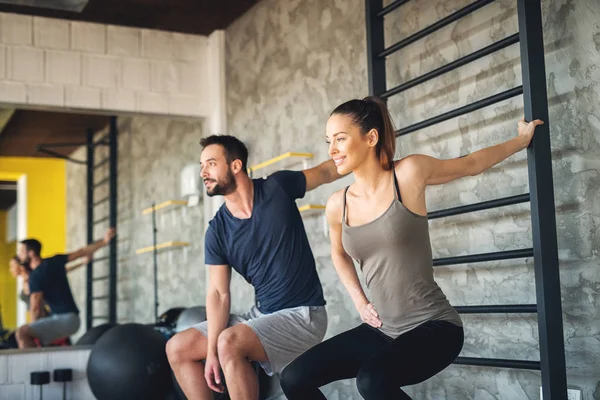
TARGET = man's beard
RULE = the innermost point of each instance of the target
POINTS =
(223, 188)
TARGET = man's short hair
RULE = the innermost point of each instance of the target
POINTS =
(234, 148)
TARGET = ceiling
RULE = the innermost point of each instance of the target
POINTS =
(27, 129)
(188, 16)
(8, 194)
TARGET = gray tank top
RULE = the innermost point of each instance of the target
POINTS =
(394, 254)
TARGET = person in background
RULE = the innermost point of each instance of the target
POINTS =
(48, 283)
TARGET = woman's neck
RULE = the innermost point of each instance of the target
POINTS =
(369, 177)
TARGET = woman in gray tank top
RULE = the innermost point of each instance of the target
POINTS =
(410, 330)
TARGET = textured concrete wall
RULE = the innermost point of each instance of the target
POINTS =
(152, 152)
(289, 63)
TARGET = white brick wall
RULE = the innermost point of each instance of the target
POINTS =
(16, 29)
(136, 74)
(100, 71)
(157, 44)
(25, 64)
(186, 105)
(60, 63)
(83, 97)
(2, 62)
(122, 41)
(12, 391)
(16, 367)
(165, 77)
(46, 94)
(190, 77)
(153, 102)
(13, 92)
(115, 99)
(50, 33)
(87, 37)
(3, 371)
(63, 67)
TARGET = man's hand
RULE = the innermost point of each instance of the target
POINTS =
(212, 373)
(109, 235)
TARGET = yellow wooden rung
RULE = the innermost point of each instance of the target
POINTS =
(311, 207)
(285, 156)
(165, 204)
(310, 210)
(160, 246)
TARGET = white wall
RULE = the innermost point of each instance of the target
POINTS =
(16, 367)
(63, 64)
(11, 224)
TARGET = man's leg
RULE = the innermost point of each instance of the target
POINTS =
(25, 337)
(47, 329)
(185, 351)
(237, 346)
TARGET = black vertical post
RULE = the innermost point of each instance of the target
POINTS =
(154, 243)
(112, 290)
(89, 307)
(375, 45)
(543, 219)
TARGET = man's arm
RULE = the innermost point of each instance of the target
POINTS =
(218, 305)
(323, 173)
(90, 249)
(78, 264)
(36, 301)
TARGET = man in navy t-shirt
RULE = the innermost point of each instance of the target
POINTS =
(259, 233)
(48, 284)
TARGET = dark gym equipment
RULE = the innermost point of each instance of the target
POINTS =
(63, 375)
(190, 317)
(167, 322)
(168, 319)
(92, 335)
(539, 162)
(40, 378)
(129, 362)
(8, 341)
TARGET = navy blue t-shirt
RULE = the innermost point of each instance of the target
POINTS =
(270, 249)
(50, 278)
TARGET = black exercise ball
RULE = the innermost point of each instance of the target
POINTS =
(168, 319)
(190, 317)
(129, 362)
(93, 334)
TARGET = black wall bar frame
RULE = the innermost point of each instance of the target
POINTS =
(541, 196)
(109, 140)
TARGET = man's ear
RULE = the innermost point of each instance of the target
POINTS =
(236, 166)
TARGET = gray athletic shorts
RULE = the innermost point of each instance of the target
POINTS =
(56, 326)
(284, 334)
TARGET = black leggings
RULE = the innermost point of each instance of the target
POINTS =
(380, 364)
